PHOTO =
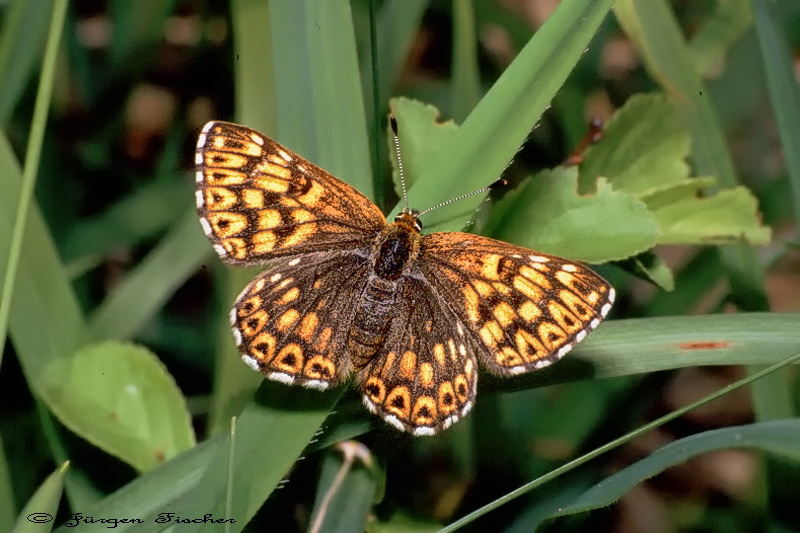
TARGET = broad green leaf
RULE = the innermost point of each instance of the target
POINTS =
(547, 214)
(644, 146)
(687, 217)
(121, 398)
(38, 514)
(643, 151)
(422, 134)
(780, 437)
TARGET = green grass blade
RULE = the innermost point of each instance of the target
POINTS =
(135, 301)
(38, 514)
(321, 116)
(720, 31)
(31, 166)
(254, 87)
(153, 492)
(779, 437)
(397, 25)
(644, 345)
(8, 507)
(24, 29)
(465, 83)
(320, 105)
(498, 125)
(783, 91)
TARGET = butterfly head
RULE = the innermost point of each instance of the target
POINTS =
(410, 218)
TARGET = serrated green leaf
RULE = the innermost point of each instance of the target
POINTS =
(648, 266)
(120, 397)
(547, 214)
(780, 437)
(422, 135)
(644, 146)
(685, 217)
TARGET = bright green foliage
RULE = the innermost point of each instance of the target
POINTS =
(120, 397)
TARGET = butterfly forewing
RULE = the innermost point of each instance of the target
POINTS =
(258, 200)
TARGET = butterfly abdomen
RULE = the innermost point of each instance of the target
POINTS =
(372, 319)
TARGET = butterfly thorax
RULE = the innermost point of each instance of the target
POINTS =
(396, 247)
(393, 254)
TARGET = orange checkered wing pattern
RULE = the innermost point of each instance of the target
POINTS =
(258, 200)
(527, 308)
(289, 321)
(425, 376)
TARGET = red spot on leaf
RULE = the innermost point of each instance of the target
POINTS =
(704, 345)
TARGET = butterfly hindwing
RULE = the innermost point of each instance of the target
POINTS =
(425, 376)
(289, 322)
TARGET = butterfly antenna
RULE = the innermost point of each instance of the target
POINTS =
(393, 122)
(496, 185)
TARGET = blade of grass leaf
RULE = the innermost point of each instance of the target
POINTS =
(254, 87)
(24, 29)
(159, 489)
(779, 437)
(8, 506)
(784, 93)
(465, 83)
(398, 22)
(37, 515)
(146, 288)
(720, 31)
(43, 291)
(643, 345)
(320, 115)
(614, 444)
(320, 104)
(31, 166)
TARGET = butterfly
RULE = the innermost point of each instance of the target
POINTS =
(345, 292)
